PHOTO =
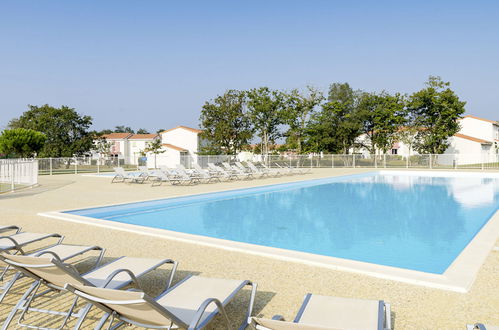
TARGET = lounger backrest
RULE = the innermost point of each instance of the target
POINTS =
(45, 268)
(119, 170)
(132, 305)
(253, 167)
(143, 168)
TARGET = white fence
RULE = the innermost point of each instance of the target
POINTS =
(17, 174)
(76, 165)
(427, 161)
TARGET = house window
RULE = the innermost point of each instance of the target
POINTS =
(394, 151)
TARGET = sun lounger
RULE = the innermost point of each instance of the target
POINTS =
(19, 240)
(166, 175)
(294, 170)
(54, 274)
(122, 176)
(190, 304)
(63, 252)
(228, 175)
(326, 312)
(257, 171)
(237, 171)
(184, 173)
(270, 170)
(206, 175)
(480, 326)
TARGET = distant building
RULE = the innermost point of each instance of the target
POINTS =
(477, 136)
(179, 144)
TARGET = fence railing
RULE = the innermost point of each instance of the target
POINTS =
(426, 161)
(78, 165)
(18, 173)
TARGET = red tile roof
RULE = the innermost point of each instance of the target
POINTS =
(143, 136)
(482, 119)
(195, 130)
(171, 146)
(113, 136)
(474, 139)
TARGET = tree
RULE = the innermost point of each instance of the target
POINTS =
(225, 124)
(123, 129)
(66, 130)
(435, 111)
(142, 131)
(156, 148)
(20, 142)
(297, 112)
(265, 113)
(381, 116)
(102, 146)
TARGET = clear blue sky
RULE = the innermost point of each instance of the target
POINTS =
(153, 64)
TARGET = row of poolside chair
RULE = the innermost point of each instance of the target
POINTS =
(214, 173)
(189, 304)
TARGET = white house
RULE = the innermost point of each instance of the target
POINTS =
(119, 144)
(477, 137)
(180, 145)
(137, 144)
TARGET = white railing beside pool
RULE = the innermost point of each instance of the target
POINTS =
(98, 164)
(17, 174)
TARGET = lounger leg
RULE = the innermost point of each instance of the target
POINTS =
(102, 321)
(19, 305)
(247, 321)
(9, 285)
(83, 314)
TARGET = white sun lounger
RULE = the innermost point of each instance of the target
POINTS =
(166, 175)
(206, 175)
(122, 176)
(256, 170)
(298, 170)
(326, 312)
(270, 170)
(64, 252)
(19, 240)
(228, 175)
(237, 171)
(54, 274)
(190, 304)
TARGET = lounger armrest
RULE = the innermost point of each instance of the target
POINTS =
(7, 228)
(278, 317)
(201, 310)
(388, 317)
(16, 245)
(119, 271)
(53, 254)
(479, 326)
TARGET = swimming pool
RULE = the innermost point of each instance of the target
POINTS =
(399, 219)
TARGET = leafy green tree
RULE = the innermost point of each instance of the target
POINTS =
(102, 146)
(142, 131)
(435, 111)
(297, 113)
(123, 129)
(381, 116)
(20, 142)
(225, 124)
(66, 130)
(265, 108)
(155, 147)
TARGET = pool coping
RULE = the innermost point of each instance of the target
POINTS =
(459, 276)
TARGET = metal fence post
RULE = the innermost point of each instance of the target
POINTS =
(12, 173)
(50, 165)
(407, 161)
(353, 160)
(76, 165)
(332, 160)
(384, 160)
(431, 163)
(98, 164)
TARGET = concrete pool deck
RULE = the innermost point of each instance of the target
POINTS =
(282, 284)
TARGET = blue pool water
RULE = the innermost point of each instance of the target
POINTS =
(403, 220)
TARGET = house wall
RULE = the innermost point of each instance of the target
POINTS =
(478, 128)
(466, 150)
(136, 146)
(183, 138)
(170, 158)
